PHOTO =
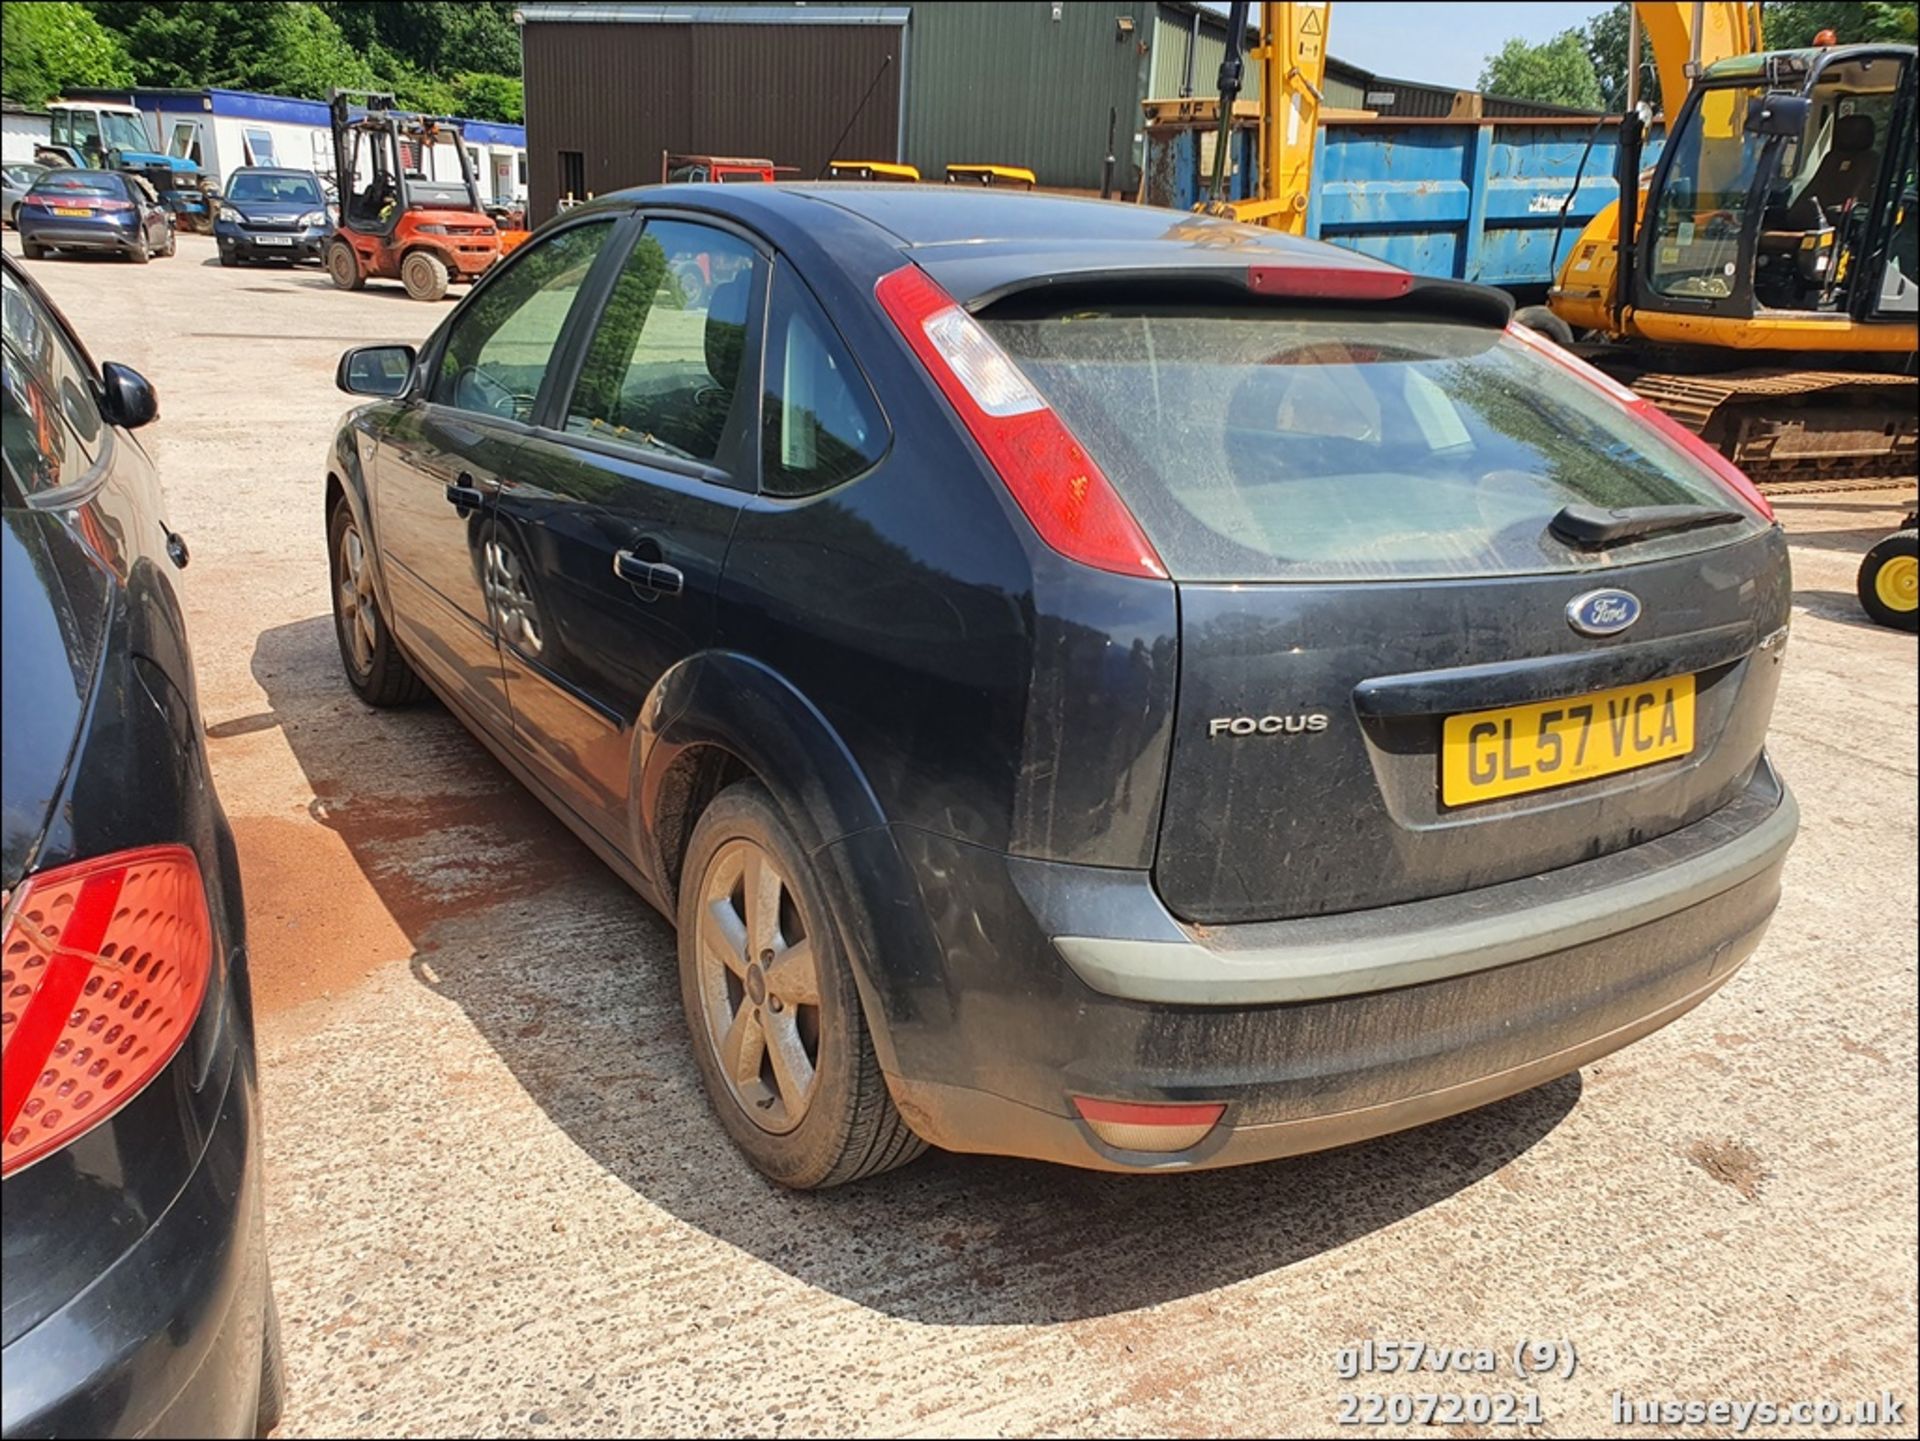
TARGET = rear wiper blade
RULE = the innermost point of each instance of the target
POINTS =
(1592, 527)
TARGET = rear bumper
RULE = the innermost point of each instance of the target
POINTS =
(1321, 1032)
(168, 1340)
(73, 237)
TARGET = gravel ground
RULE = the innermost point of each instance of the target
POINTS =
(498, 1205)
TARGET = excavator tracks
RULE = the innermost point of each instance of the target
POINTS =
(1799, 430)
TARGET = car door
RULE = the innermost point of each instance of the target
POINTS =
(612, 533)
(444, 456)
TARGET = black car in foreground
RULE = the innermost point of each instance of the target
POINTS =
(94, 210)
(1089, 682)
(271, 214)
(134, 1271)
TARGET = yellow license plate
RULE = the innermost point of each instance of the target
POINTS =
(70, 210)
(1487, 754)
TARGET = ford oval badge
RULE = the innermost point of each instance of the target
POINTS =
(1603, 612)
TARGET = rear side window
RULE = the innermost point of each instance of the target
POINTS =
(819, 422)
(1259, 445)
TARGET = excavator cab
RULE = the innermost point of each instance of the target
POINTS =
(1785, 193)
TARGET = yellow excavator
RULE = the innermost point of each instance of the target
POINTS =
(1758, 283)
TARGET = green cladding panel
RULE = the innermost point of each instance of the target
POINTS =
(1028, 82)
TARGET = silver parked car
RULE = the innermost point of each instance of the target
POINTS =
(18, 180)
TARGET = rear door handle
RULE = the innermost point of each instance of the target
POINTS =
(652, 575)
(465, 494)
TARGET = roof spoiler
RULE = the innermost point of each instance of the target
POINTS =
(1344, 284)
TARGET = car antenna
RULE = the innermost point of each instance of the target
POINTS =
(885, 61)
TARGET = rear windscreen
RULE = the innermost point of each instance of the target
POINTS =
(1255, 445)
(81, 184)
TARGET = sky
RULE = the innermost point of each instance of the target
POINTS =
(1442, 41)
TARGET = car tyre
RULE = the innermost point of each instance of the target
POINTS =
(229, 259)
(343, 266)
(273, 1370)
(172, 245)
(765, 980)
(379, 674)
(141, 253)
(32, 249)
(1540, 319)
(1888, 579)
(425, 275)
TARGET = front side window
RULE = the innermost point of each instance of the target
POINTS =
(1257, 444)
(664, 364)
(52, 427)
(819, 422)
(497, 353)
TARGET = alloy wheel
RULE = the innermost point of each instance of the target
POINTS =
(353, 586)
(759, 983)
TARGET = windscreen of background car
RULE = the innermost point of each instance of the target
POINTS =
(1259, 445)
(274, 189)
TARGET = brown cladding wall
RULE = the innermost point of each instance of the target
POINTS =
(620, 93)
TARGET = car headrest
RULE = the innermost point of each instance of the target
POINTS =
(1853, 133)
(727, 327)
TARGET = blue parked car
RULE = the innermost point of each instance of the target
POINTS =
(1088, 682)
(272, 214)
(95, 210)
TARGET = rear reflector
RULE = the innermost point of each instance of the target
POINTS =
(105, 965)
(1049, 474)
(1731, 476)
(1329, 282)
(1148, 1126)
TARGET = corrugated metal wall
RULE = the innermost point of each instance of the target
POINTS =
(1171, 34)
(1007, 84)
(619, 93)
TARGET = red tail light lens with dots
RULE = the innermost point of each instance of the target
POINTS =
(1047, 471)
(105, 966)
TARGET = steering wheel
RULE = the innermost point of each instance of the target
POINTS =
(1720, 224)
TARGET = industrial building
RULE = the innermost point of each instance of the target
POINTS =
(1042, 84)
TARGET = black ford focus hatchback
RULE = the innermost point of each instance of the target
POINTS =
(1087, 682)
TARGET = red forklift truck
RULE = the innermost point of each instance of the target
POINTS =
(410, 208)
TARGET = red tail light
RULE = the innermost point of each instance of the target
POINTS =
(1655, 419)
(1329, 282)
(1049, 473)
(1148, 1125)
(105, 965)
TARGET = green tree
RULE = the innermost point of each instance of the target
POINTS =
(490, 97)
(48, 48)
(1791, 24)
(1606, 40)
(1558, 72)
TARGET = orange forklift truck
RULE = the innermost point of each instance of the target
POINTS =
(410, 209)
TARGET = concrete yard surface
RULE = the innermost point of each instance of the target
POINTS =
(498, 1204)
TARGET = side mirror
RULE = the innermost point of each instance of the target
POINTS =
(380, 370)
(127, 398)
(1778, 114)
